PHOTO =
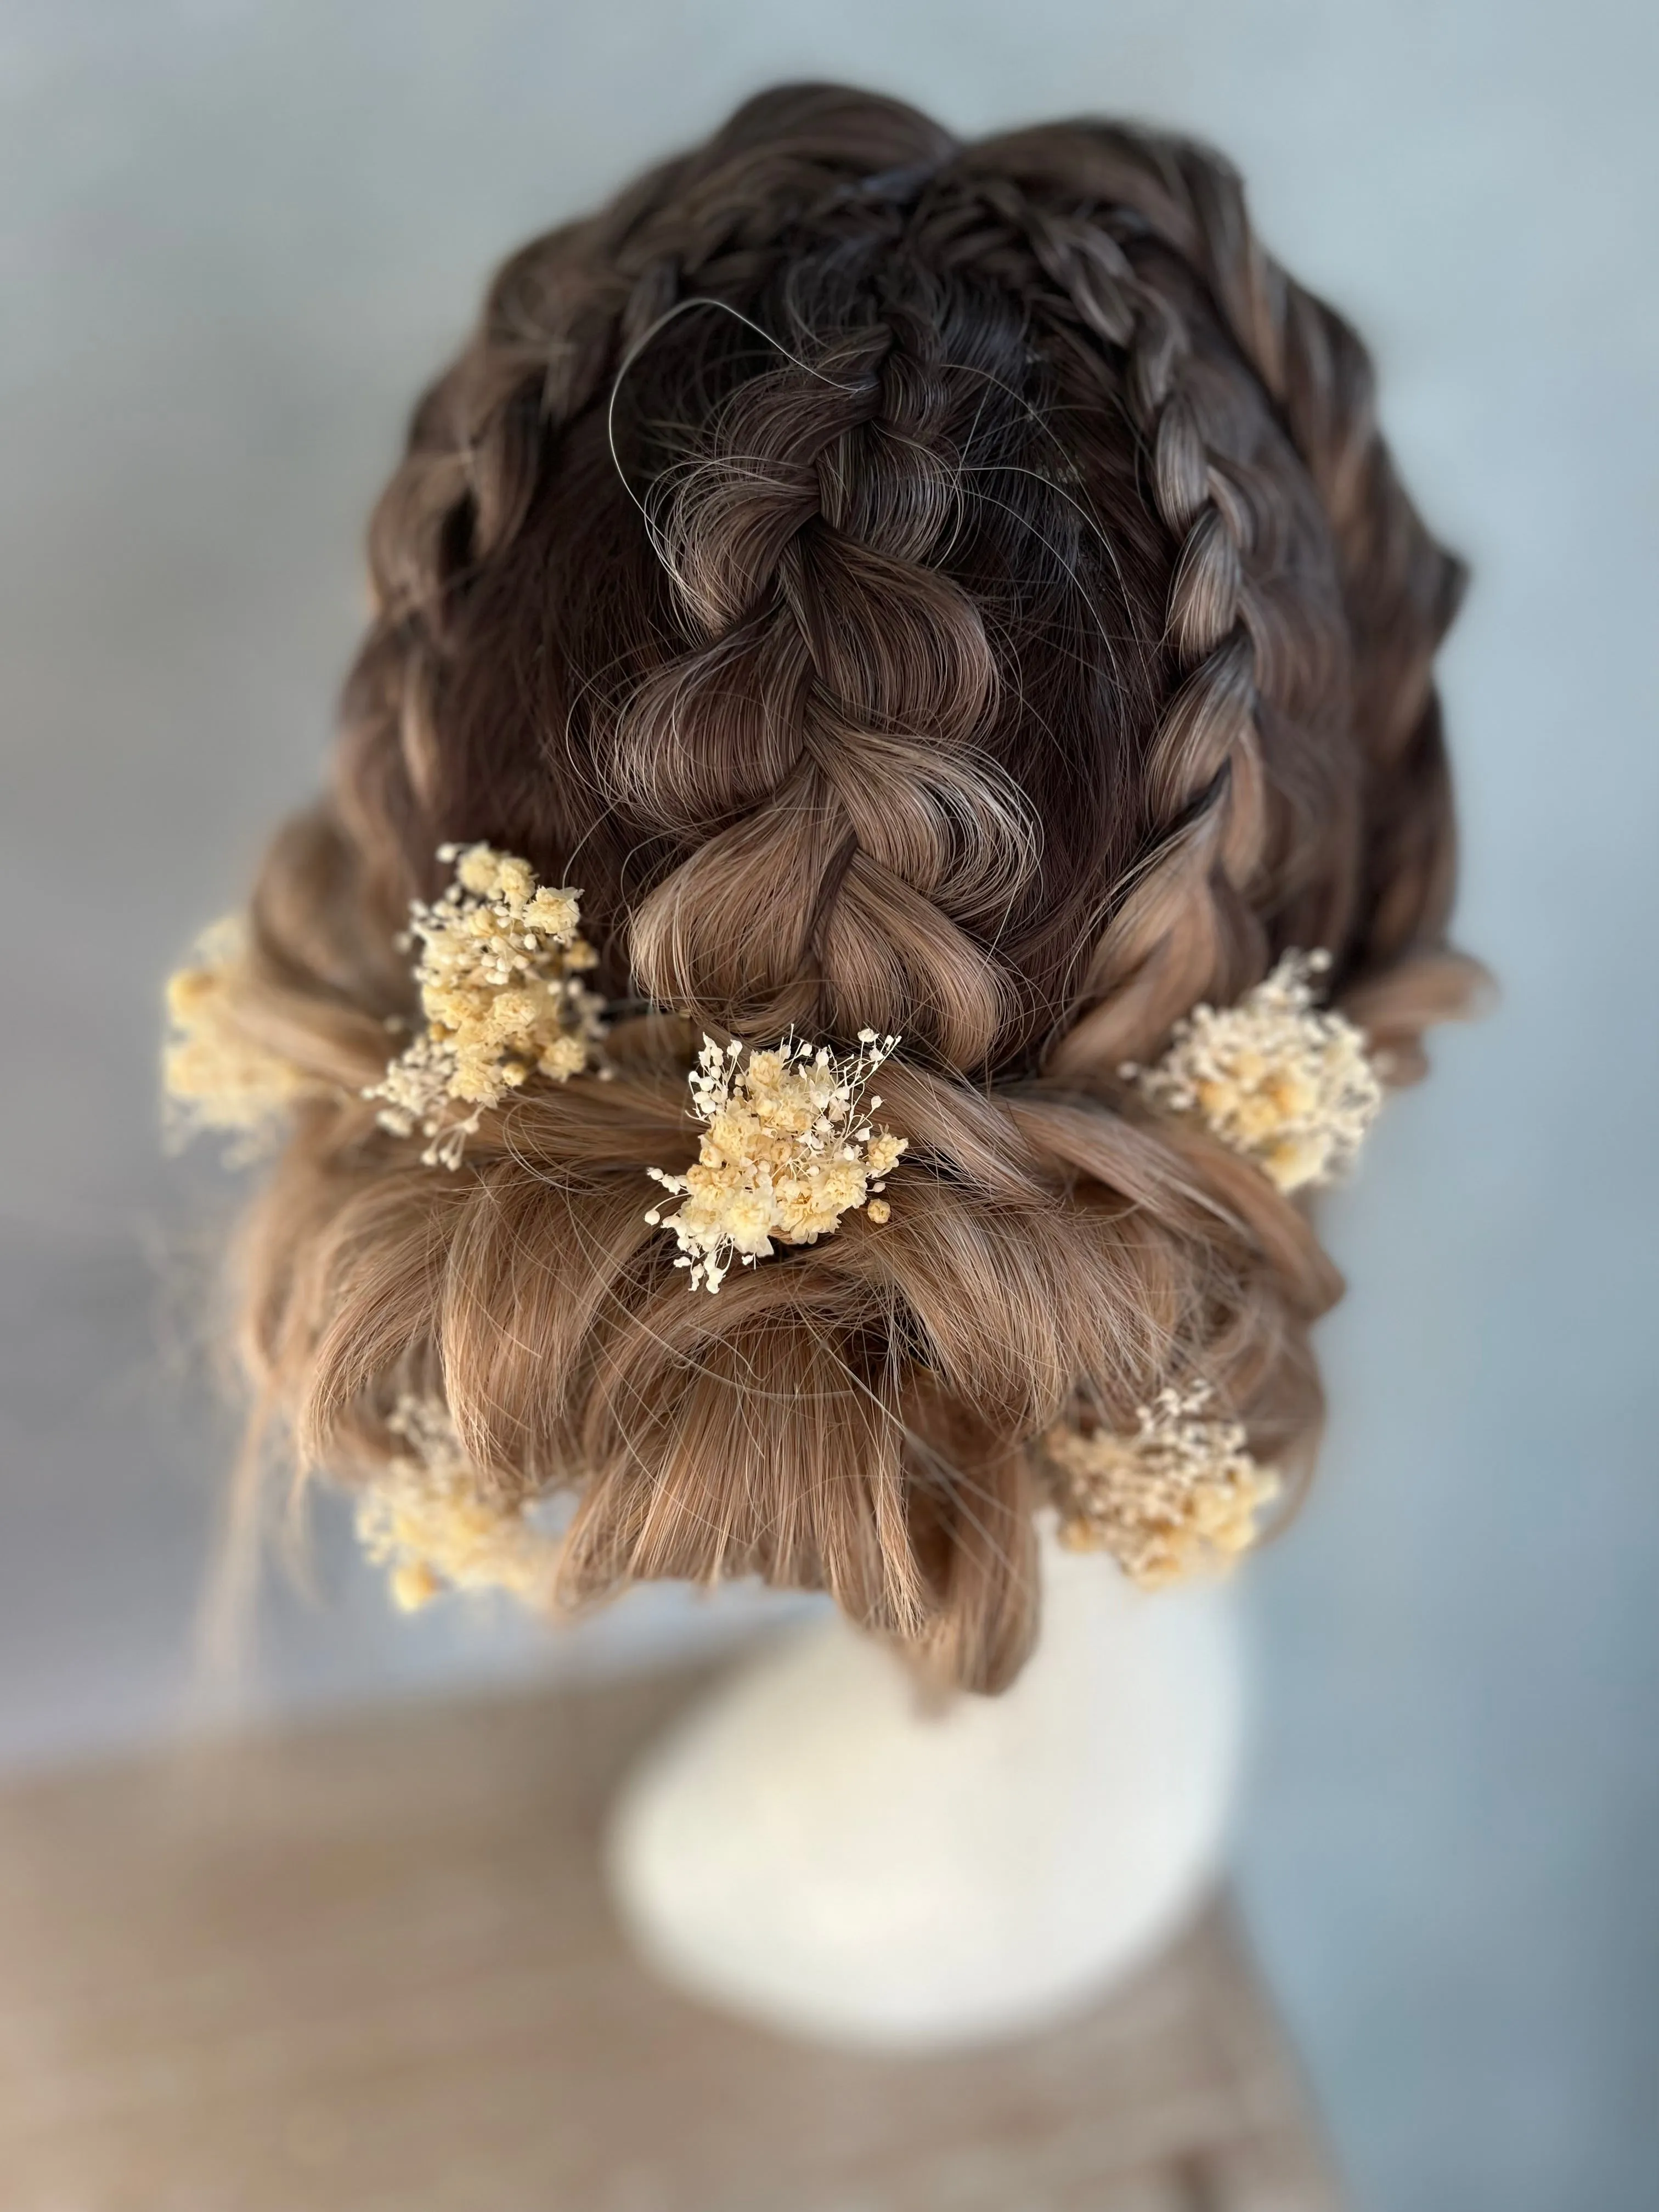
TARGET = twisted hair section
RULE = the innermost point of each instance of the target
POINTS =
(950, 591)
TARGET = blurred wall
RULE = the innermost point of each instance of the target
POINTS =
(234, 239)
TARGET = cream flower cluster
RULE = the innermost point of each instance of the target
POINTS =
(1181, 1493)
(425, 1520)
(785, 1151)
(215, 1076)
(498, 974)
(1274, 1077)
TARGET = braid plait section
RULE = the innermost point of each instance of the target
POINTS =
(814, 748)
(1126, 222)
(1240, 757)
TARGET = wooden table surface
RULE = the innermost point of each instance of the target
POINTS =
(369, 1967)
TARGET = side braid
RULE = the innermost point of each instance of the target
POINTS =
(1120, 193)
(1186, 923)
(1401, 590)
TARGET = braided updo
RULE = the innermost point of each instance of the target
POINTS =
(955, 591)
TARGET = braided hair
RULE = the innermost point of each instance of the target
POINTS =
(958, 591)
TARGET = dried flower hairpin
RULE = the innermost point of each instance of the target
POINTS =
(1287, 1083)
(215, 1074)
(425, 1518)
(1181, 1493)
(785, 1151)
(498, 972)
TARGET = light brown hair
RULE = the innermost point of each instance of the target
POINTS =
(953, 589)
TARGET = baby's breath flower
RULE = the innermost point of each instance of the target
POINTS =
(215, 1074)
(1181, 1493)
(498, 974)
(1278, 1080)
(425, 1520)
(785, 1151)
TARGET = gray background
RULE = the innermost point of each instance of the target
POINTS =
(234, 239)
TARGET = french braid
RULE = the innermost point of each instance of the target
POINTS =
(957, 591)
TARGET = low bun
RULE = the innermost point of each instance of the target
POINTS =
(961, 596)
(852, 1415)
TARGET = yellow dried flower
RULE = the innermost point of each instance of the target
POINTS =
(498, 972)
(1182, 1493)
(425, 1520)
(787, 1152)
(1278, 1080)
(215, 1074)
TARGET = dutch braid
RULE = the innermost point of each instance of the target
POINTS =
(801, 548)
(1121, 191)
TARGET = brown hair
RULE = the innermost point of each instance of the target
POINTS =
(953, 589)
